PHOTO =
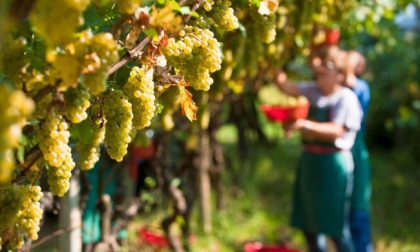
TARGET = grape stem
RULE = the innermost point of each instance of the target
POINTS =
(137, 50)
(133, 53)
(52, 235)
(36, 153)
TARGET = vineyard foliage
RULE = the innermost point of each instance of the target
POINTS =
(76, 75)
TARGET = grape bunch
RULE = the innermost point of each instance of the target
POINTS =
(15, 107)
(128, 6)
(90, 152)
(77, 102)
(56, 21)
(20, 214)
(140, 91)
(105, 48)
(53, 142)
(91, 55)
(118, 114)
(223, 15)
(195, 55)
(66, 67)
(12, 58)
(264, 26)
(170, 100)
(208, 4)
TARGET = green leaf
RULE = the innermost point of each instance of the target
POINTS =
(194, 14)
(175, 5)
(256, 2)
(152, 33)
(185, 10)
(176, 182)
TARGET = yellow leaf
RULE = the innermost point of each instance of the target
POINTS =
(189, 109)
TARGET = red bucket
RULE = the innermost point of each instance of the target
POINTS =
(259, 247)
(285, 114)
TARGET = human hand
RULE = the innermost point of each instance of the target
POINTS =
(281, 77)
(291, 126)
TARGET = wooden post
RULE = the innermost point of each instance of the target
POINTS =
(71, 216)
(204, 186)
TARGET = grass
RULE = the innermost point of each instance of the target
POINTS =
(258, 206)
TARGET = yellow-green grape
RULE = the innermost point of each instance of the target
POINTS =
(54, 139)
(78, 4)
(59, 177)
(140, 91)
(118, 114)
(96, 82)
(170, 101)
(202, 21)
(128, 6)
(223, 15)
(106, 49)
(53, 142)
(7, 164)
(12, 58)
(77, 102)
(35, 81)
(56, 21)
(167, 120)
(20, 214)
(33, 173)
(264, 26)
(195, 55)
(208, 4)
(42, 106)
(90, 153)
(15, 107)
(66, 70)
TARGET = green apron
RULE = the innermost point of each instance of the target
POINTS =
(322, 187)
(360, 199)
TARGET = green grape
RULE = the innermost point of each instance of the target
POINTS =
(118, 114)
(7, 164)
(96, 82)
(91, 55)
(128, 6)
(223, 15)
(59, 177)
(106, 49)
(195, 55)
(56, 21)
(167, 120)
(77, 102)
(140, 91)
(208, 4)
(264, 26)
(33, 173)
(53, 142)
(12, 58)
(90, 152)
(105, 46)
(66, 69)
(170, 100)
(20, 214)
(15, 107)
(78, 4)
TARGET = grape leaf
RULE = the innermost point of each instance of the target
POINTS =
(189, 109)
